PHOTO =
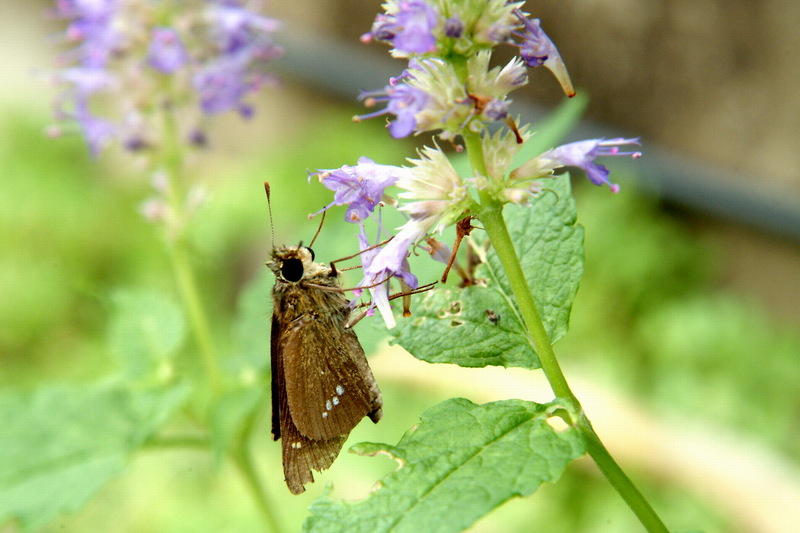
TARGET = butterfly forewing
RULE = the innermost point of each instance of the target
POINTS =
(300, 453)
(276, 377)
(326, 392)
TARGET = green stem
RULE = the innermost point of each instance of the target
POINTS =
(184, 274)
(491, 216)
(495, 225)
(243, 460)
(190, 295)
(492, 220)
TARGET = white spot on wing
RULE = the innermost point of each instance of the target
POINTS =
(335, 400)
(339, 390)
(328, 405)
(325, 415)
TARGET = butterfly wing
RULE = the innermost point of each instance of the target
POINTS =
(277, 378)
(300, 453)
(326, 389)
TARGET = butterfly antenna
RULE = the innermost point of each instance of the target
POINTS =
(322, 221)
(271, 223)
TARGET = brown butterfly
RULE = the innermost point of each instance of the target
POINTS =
(322, 385)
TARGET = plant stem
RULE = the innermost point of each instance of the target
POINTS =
(492, 220)
(491, 216)
(244, 462)
(190, 295)
(184, 274)
(495, 225)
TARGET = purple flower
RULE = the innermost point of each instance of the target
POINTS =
(495, 110)
(582, 154)
(402, 100)
(166, 53)
(382, 264)
(96, 131)
(453, 27)
(221, 45)
(243, 40)
(405, 102)
(85, 81)
(537, 49)
(360, 188)
(235, 27)
(92, 24)
(409, 29)
(221, 84)
(73, 103)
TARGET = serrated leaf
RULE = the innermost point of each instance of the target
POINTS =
(473, 327)
(147, 329)
(480, 325)
(61, 444)
(459, 463)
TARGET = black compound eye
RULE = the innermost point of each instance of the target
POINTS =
(310, 251)
(292, 269)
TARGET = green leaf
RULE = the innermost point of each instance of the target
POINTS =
(459, 320)
(459, 463)
(61, 444)
(480, 325)
(251, 327)
(147, 330)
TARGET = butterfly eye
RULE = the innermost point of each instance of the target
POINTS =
(292, 269)
(310, 251)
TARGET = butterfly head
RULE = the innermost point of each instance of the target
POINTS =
(293, 263)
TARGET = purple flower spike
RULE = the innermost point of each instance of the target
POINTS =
(582, 154)
(360, 188)
(410, 29)
(166, 53)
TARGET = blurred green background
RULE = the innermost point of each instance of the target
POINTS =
(691, 379)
